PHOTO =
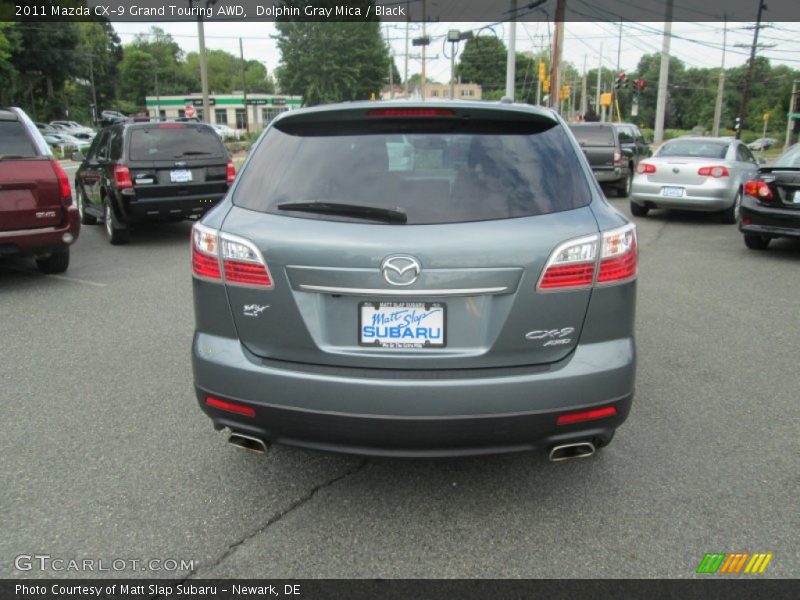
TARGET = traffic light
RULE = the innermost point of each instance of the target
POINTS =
(638, 86)
(621, 80)
(565, 92)
(546, 84)
(541, 70)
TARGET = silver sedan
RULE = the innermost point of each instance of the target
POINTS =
(694, 173)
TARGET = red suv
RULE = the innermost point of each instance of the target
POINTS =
(37, 216)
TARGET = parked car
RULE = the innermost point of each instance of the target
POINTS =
(771, 203)
(612, 162)
(64, 140)
(226, 132)
(694, 173)
(73, 128)
(476, 298)
(149, 171)
(37, 216)
(762, 144)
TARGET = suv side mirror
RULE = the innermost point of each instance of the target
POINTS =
(627, 152)
(77, 156)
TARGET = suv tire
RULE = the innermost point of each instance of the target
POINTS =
(57, 262)
(638, 210)
(624, 188)
(756, 242)
(118, 233)
(86, 218)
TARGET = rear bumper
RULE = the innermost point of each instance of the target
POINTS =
(706, 197)
(608, 175)
(41, 240)
(134, 209)
(401, 413)
(777, 222)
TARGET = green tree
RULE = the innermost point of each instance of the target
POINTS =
(137, 74)
(332, 61)
(483, 61)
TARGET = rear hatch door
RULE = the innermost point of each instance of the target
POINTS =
(176, 159)
(29, 187)
(367, 245)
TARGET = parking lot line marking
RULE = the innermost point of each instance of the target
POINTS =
(64, 277)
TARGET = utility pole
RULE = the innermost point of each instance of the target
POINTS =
(94, 93)
(408, 24)
(244, 87)
(746, 92)
(721, 84)
(793, 105)
(511, 57)
(584, 99)
(555, 63)
(614, 92)
(599, 71)
(424, 47)
(204, 71)
(158, 95)
(663, 77)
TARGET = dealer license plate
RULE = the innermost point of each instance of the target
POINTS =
(672, 192)
(402, 324)
(180, 176)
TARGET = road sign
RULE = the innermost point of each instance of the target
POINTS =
(766, 116)
(189, 111)
(605, 99)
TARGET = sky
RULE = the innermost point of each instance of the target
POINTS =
(697, 44)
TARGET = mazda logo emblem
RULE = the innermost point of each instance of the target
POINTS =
(400, 270)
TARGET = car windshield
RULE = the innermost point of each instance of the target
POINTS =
(694, 148)
(431, 174)
(168, 142)
(789, 159)
(14, 141)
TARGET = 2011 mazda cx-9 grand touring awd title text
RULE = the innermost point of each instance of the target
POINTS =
(416, 279)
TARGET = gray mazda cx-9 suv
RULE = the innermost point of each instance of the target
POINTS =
(416, 279)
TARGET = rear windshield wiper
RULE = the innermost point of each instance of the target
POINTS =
(191, 153)
(388, 215)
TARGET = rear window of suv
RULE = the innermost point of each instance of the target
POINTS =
(14, 140)
(436, 172)
(594, 135)
(172, 141)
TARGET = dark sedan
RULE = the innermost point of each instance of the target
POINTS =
(771, 202)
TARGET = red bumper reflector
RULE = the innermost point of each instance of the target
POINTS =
(586, 415)
(239, 409)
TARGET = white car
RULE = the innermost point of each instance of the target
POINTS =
(226, 132)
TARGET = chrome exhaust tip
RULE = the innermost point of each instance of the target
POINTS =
(247, 442)
(569, 451)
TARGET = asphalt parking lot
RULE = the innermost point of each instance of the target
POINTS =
(106, 455)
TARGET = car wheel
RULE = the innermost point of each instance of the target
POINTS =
(86, 219)
(57, 262)
(624, 189)
(756, 242)
(637, 210)
(730, 215)
(117, 233)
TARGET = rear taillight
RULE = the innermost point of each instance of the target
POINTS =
(617, 157)
(231, 174)
(205, 252)
(598, 260)
(758, 189)
(645, 168)
(718, 171)
(228, 258)
(64, 190)
(122, 177)
(618, 255)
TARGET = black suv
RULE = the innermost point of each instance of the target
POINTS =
(151, 171)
